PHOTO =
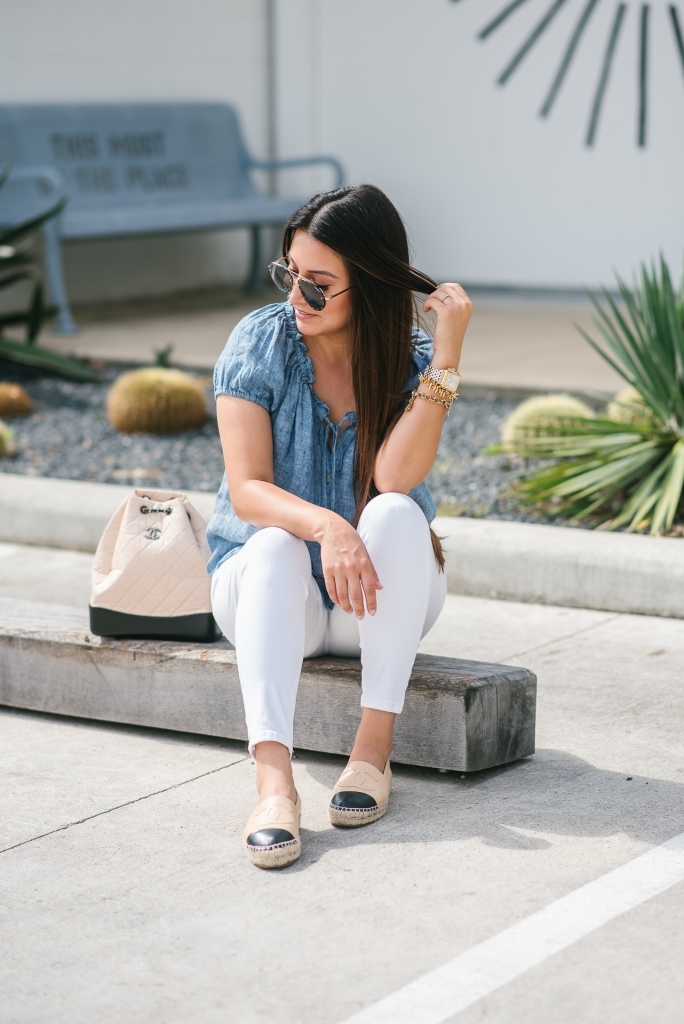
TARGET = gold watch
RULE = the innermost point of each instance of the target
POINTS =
(448, 379)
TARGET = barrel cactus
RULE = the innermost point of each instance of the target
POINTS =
(5, 440)
(535, 414)
(629, 407)
(13, 400)
(156, 401)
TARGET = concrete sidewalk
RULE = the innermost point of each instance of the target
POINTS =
(126, 894)
(513, 342)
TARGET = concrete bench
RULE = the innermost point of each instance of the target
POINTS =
(459, 715)
(143, 169)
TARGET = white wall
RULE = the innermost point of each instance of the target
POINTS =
(136, 50)
(403, 92)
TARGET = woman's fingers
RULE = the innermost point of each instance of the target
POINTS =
(447, 299)
(342, 585)
(453, 309)
(356, 597)
(350, 576)
(355, 594)
(370, 584)
(331, 587)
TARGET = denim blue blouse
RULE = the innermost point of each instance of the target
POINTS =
(266, 361)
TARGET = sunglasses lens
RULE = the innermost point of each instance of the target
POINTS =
(282, 278)
(312, 294)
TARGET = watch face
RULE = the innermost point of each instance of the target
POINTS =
(450, 380)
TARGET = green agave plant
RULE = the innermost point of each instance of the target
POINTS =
(18, 263)
(612, 473)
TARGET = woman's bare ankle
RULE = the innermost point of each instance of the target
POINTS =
(274, 771)
(373, 743)
(376, 754)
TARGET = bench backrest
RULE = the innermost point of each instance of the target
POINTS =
(132, 154)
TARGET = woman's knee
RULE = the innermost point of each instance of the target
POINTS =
(274, 559)
(279, 547)
(392, 508)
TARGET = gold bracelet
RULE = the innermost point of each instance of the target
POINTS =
(444, 402)
(437, 388)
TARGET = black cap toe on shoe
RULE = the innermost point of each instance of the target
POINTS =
(269, 837)
(353, 800)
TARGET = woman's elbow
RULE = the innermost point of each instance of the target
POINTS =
(391, 483)
(242, 502)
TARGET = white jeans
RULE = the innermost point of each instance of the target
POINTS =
(268, 605)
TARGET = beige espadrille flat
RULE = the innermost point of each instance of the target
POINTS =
(361, 795)
(272, 833)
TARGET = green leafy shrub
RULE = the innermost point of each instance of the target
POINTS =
(607, 471)
(156, 401)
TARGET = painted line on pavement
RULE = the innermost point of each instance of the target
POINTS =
(438, 995)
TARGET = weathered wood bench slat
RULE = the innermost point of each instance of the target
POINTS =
(460, 715)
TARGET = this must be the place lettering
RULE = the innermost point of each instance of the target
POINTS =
(137, 144)
(153, 179)
(95, 179)
(77, 146)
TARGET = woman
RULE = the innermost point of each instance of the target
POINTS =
(320, 538)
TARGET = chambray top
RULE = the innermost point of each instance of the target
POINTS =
(266, 361)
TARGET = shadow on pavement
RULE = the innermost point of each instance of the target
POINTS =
(551, 793)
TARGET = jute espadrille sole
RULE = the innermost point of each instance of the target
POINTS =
(352, 817)
(277, 856)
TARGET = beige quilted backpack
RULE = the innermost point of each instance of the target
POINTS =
(149, 576)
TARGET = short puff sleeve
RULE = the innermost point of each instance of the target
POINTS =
(252, 365)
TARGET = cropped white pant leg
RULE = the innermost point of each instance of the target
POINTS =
(268, 605)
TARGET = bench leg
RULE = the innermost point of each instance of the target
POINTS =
(254, 279)
(55, 279)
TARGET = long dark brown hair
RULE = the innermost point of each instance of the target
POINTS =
(361, 225)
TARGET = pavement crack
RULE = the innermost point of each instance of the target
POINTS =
(560, 639)
(127, 803)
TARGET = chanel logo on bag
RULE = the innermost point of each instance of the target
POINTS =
(153, 532)
(145, 510)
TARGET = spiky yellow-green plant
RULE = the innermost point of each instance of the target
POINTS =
(535, 416)
(616, 473)
(156, 401)
(629, 407)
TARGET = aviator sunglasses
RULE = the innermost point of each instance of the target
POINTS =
(284, 279)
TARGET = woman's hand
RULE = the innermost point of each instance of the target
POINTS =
(453, 309)
(348, 571)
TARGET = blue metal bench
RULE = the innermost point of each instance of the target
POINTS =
(143, 169)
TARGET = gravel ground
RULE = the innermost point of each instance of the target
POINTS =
(68, 436)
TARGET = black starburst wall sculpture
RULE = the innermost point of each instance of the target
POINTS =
(585, 9)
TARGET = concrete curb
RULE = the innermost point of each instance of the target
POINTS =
(485, 557)
(556, 565)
